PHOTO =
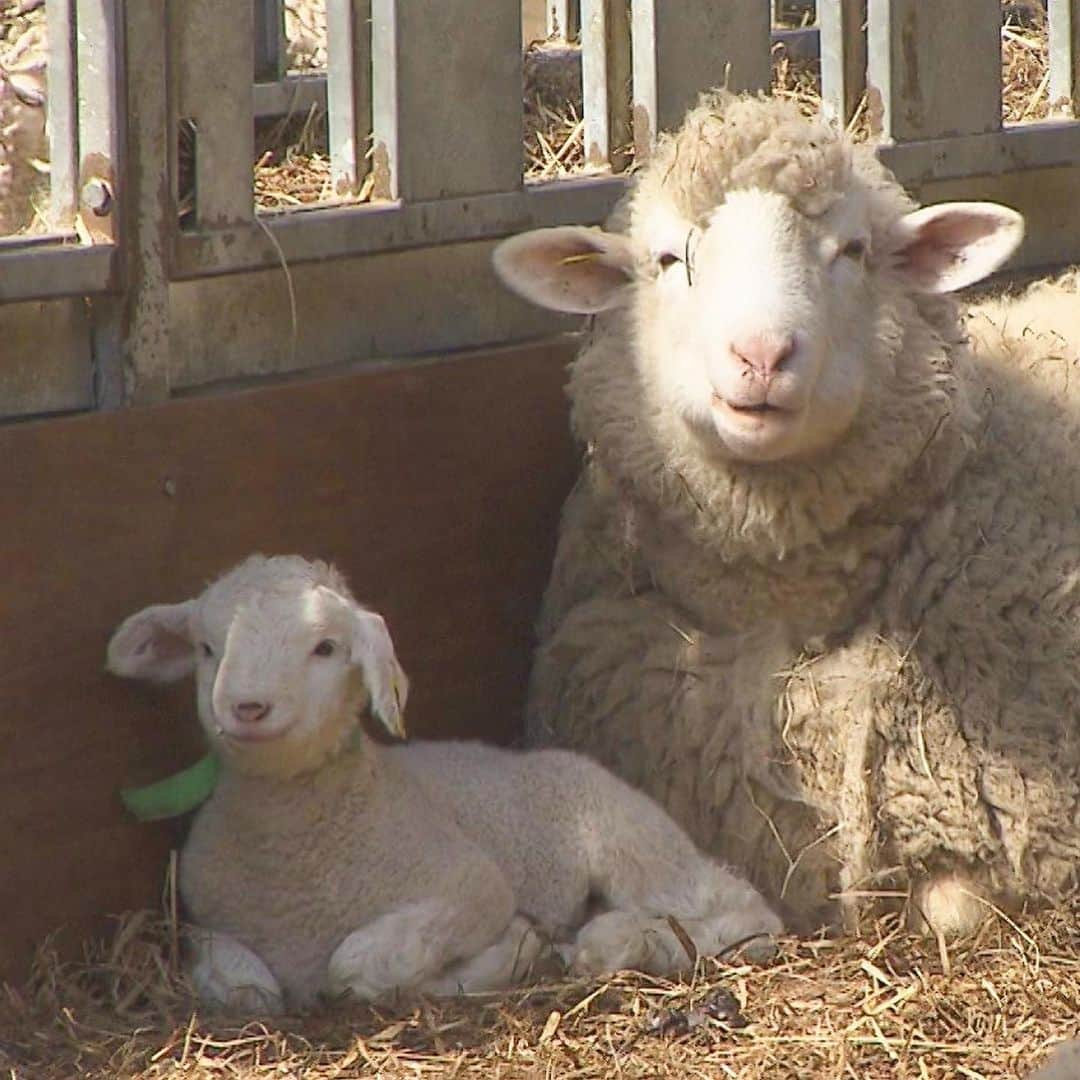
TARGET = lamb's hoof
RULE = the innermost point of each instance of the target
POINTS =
(614, 941)
(229, 977)
(751, 936)
(756, 950)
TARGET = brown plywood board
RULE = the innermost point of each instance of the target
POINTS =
(435, 487)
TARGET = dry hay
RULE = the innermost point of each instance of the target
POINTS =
(24, 152)
(305, 34)
(883, 1005)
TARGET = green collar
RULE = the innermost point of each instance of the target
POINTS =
(188, 789)
(174, 795)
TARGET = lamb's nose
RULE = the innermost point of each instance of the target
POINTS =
(764, 353)
(251, 712)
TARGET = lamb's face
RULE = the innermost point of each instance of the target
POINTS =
(756, 328)
(285, 663)
(274, 672)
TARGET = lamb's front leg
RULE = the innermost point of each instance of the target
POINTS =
(228, 975)
(502, 964)
(412, 945)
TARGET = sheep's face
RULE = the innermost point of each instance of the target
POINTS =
(284, 663)
(753, 276)
(752, 328)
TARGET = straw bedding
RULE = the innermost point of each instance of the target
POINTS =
(880, 1005)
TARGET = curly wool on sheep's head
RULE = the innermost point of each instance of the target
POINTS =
(731, 143)
(284, 659)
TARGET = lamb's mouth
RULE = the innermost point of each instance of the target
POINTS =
(246, 736)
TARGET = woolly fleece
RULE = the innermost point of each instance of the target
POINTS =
(855, 672)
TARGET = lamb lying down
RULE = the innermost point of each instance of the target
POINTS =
(324, 862)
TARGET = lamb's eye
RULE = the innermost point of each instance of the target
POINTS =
(667, 259)
(206, 650)
(854, 249)
(324, 648)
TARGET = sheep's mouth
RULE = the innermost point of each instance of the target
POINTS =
(760, 409)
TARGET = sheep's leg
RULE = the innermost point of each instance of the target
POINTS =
(619, 940)
(950, 904)
(407, 948)
(228, 975)
(717, 909)
(647, 869)
(502, 964)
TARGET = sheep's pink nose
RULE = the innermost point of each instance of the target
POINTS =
(251, 712)
(764, 353)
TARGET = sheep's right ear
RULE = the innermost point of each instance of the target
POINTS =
(571, 268)
(373, 652)
(948, 246)
(154, 643)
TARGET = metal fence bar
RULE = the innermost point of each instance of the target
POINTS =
(842, 25)
(1064, 17)
(41, 272)
(348, 91)
(605, 81)
(271, 55)
(63, 145)
(937, 67)
(293, 95)
(681, 47)
(334, 232)
(99, 138)
(563, 19)
(131, 331)
(211, 47)
(1017, 148)
(446, 99)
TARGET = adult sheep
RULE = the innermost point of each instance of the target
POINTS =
(324, 862)
(818, 587)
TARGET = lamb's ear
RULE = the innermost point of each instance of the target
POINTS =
(570, 268)
(373, 651)
(154, 643)
(945, 247)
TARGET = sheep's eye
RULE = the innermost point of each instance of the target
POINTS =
(206, 650)
(854, 249)
(324, 648)
(667, 259)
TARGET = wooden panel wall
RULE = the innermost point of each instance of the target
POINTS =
(435, 487)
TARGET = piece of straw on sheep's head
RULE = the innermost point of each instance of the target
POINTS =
(285, 660)
(753, 253)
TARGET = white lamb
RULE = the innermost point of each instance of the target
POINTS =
(818, 588)
(325, 862)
